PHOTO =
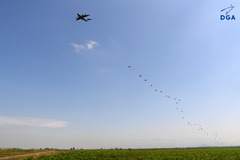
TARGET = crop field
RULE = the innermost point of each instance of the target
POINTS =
(158, 154)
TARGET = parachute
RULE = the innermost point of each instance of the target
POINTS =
(198, 127)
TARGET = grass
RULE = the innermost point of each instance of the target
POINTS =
(15, 151)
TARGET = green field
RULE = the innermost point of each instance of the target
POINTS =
(160, 154)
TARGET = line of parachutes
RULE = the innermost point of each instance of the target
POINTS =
(197, 126)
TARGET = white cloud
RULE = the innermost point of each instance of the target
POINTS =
(88, 45)
(91, 44)
(77, 47)
(31, 122)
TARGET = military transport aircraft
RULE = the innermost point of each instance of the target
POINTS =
(82, 17)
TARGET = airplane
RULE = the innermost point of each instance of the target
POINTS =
(82, 17)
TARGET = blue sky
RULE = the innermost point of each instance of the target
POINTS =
(66, 83)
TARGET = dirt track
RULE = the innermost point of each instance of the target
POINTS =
(27, 155)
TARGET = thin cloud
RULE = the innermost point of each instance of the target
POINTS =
(77, 47)
(31, 122)
(88, 45)
(91, 44)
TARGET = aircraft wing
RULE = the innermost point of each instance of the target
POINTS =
(85, 15)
